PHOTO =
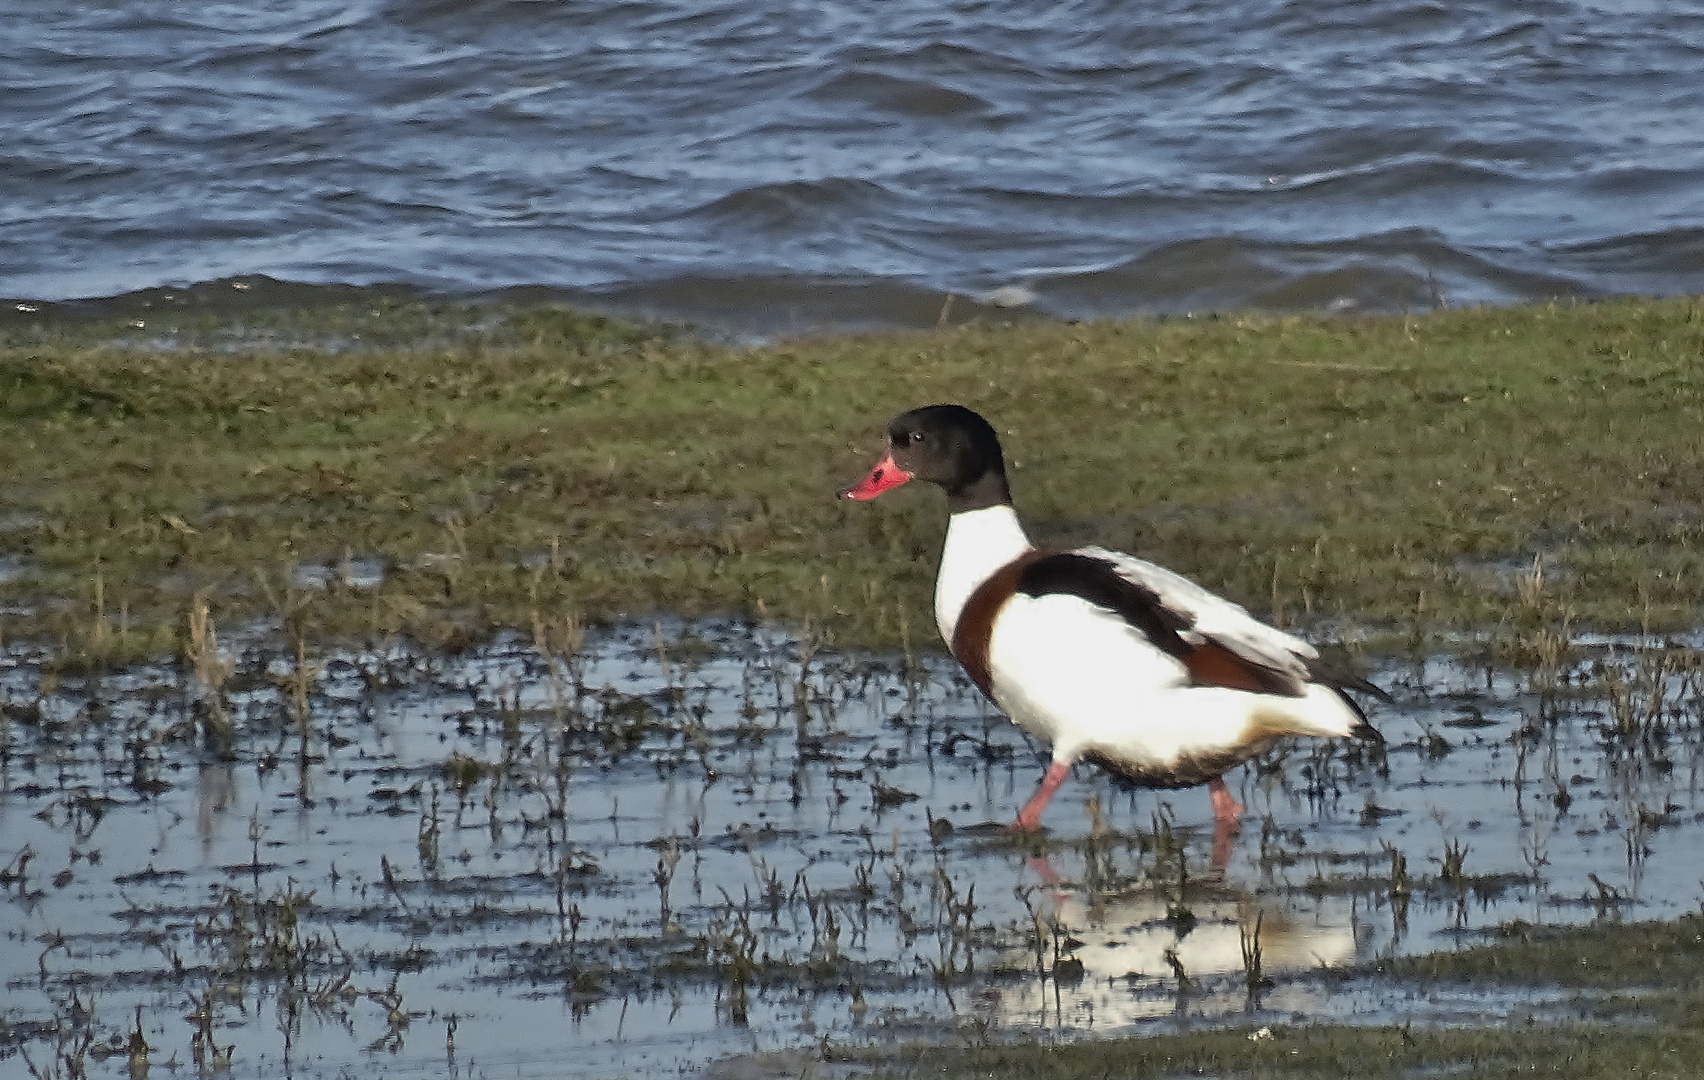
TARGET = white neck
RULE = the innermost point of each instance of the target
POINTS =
(979, 542)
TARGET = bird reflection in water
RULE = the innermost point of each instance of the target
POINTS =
(1114, 948)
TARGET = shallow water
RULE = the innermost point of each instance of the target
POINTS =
(852, 162)
(694, 841)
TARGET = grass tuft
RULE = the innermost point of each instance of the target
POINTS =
(1475, 468)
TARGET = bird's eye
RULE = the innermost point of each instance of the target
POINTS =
(916, 437)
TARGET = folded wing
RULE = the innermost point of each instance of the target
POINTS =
(1217, 641)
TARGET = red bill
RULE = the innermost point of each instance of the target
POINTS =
(884, 477)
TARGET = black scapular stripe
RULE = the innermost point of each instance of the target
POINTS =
(1099, 583)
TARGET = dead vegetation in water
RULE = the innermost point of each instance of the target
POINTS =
(443, 472)
(534, 729)
(817, 880)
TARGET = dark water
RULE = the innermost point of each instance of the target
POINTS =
(848, 161)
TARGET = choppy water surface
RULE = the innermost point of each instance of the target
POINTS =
(854, 161)
(682, 843)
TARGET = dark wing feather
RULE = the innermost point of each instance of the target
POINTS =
(1209, 659)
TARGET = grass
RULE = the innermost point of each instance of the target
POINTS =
(1641, 984)
(495, 462)
(1581, 1050)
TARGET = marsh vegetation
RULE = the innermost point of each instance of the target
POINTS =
(337, 731)
(424, 464)
(650, 845)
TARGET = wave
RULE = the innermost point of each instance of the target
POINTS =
(789, 206)
(745, 306)
(898, 94)
(1403, 270)
(1208, 153)
(767, 305)
(1675, 255)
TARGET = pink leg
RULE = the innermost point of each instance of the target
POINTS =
(1226, 809)
(1224, 837)
(1029, 818)
(1044, 870)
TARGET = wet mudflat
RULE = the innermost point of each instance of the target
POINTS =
(637, 850)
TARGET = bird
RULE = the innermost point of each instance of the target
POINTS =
(1109, 659)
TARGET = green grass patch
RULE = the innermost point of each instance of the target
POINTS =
(1641, 990)
(490, 461)
(1578, 1050)
(1604, 956)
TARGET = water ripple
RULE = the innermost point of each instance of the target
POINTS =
(1102, 159)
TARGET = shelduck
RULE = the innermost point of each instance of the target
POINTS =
(1109, 659)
